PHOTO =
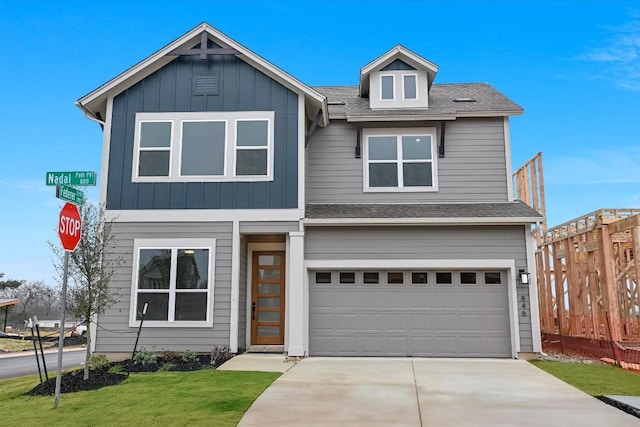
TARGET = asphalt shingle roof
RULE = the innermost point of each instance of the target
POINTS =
(441, 102)
(446, 210)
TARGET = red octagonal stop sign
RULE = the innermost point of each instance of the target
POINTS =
(70, 227)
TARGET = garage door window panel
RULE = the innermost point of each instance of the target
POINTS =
(468, 278)
(395, 278)
(419, 278)
(493, 278)
(371, 278)
(444, 278)
(323, 277)
(347, 277)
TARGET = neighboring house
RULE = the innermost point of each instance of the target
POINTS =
(252, 209)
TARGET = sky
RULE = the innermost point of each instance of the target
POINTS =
(574, 66)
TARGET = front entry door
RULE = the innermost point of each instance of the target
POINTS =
(267, 305)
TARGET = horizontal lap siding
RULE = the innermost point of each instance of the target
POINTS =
(429, 243)
(241, 88)
(114, 333)
(473, 168)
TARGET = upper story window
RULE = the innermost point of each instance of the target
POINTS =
(207, 146)
(409, 89)
(400, 160)
(387, 84)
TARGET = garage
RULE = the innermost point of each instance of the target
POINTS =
(430, 313)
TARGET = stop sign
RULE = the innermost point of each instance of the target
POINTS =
(70, 227)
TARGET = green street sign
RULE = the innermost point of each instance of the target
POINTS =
(69, 194)
(82, 178)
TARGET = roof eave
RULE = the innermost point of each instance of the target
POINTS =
(95, 101)
(423, 221)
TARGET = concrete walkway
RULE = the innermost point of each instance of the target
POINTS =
(423, 392)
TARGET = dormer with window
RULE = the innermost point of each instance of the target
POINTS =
(398, 79)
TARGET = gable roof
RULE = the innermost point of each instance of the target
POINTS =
(397, 52)
(345, 102)
(94, 103)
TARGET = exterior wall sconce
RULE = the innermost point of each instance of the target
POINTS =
(523, 277)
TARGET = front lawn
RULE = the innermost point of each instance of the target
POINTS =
(594, 379)
(200, 398)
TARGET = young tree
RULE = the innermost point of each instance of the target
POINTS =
(91, 267)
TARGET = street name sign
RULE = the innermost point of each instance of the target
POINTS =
(82, 178)
(70, 227)
(69, 194)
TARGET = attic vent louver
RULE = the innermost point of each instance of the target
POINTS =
(206, 84)
(464, 100)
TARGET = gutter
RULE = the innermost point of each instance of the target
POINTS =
(89, 115)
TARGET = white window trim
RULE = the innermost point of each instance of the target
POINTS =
(268, 147)
(398, 133)
(415, 79)
(139, 244)
(393, 87)
(175, 149)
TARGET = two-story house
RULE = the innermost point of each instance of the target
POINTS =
(254, 210)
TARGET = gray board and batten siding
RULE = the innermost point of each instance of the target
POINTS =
(114, 333)
(428, 243)
(473, 169)
(240, 88)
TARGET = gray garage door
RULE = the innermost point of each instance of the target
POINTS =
(409, 313)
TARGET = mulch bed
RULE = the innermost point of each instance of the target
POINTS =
(74, 381)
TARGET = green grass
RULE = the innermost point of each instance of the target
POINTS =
(200, 398)
(595, 379)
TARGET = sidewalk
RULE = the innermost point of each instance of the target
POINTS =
(46, 351)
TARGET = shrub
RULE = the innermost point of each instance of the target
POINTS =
(116, 369)
(219, 355)
(145, 358)
(98, 361)
(167, 366)
(189, 356)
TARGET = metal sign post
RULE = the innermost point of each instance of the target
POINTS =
(65, 274)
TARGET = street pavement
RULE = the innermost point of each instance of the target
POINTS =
(24, 363)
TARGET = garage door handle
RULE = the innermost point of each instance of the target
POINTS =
(253, 310)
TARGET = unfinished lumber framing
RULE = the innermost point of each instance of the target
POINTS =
(588, 276)
(529, 186)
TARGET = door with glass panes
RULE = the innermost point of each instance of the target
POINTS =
(267, 291)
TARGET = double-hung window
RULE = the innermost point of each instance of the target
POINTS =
(174, 279)
(400, 160)
(204, 146)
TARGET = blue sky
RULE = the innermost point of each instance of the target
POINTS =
(573, 65)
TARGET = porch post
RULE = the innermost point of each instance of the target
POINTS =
(296, 294)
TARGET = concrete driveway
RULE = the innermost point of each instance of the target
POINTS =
(425, 392)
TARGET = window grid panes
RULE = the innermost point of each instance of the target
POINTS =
(252, 147)
(197, 147)
(395, 278)
(323, 277)
(174, 283)
(400, 161)
(155, 149)
(371, 277)
(492, 278)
